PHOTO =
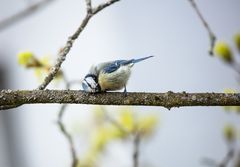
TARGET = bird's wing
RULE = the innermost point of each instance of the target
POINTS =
(95, 69)
(113, 66)
(109, 68)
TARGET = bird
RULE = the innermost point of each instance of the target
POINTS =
(109, 76)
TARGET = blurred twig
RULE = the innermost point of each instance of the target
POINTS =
(113, 121)
(212, 36)
(136, 145)
(62, 127)
(67, 135)
(136, 137)
(225, 161)
(89, 6)
(236, 66)
(65, 50)
(227, 158)
(23, 14)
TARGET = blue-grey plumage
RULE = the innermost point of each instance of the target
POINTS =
(109, 76)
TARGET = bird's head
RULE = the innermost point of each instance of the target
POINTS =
(90, 84)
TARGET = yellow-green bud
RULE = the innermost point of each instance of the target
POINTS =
(229, 133)
(222, 50)
(237, 40)
(147, 124)
(24, 58)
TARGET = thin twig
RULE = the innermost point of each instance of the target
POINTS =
(236, 66)
(103, 5)
(224, 163)
(67, 135)
(136, 145)
(62, 55)
(23, 14)
(89, 6)
(113, 121)
(136, 136)
(212, 36)
(227, 158)
(61, 125)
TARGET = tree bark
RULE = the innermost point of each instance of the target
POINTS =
(168, 99)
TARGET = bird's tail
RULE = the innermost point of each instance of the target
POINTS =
(141, 59)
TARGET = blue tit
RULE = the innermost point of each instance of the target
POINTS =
(109, 76)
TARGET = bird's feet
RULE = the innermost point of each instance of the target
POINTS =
(125, 91)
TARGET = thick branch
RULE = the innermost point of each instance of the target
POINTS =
(168, 100)
(22, 14)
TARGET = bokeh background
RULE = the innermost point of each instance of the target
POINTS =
(170, 30)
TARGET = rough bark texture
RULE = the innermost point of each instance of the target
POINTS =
(168, 99)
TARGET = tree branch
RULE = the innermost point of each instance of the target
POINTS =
(62, 127)
(23, 14)
(67, 135)
(63, 53)
(89, 6)
(103, 5)
(168, 100)
(136, 145)
(227, 158)
(212, 36)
